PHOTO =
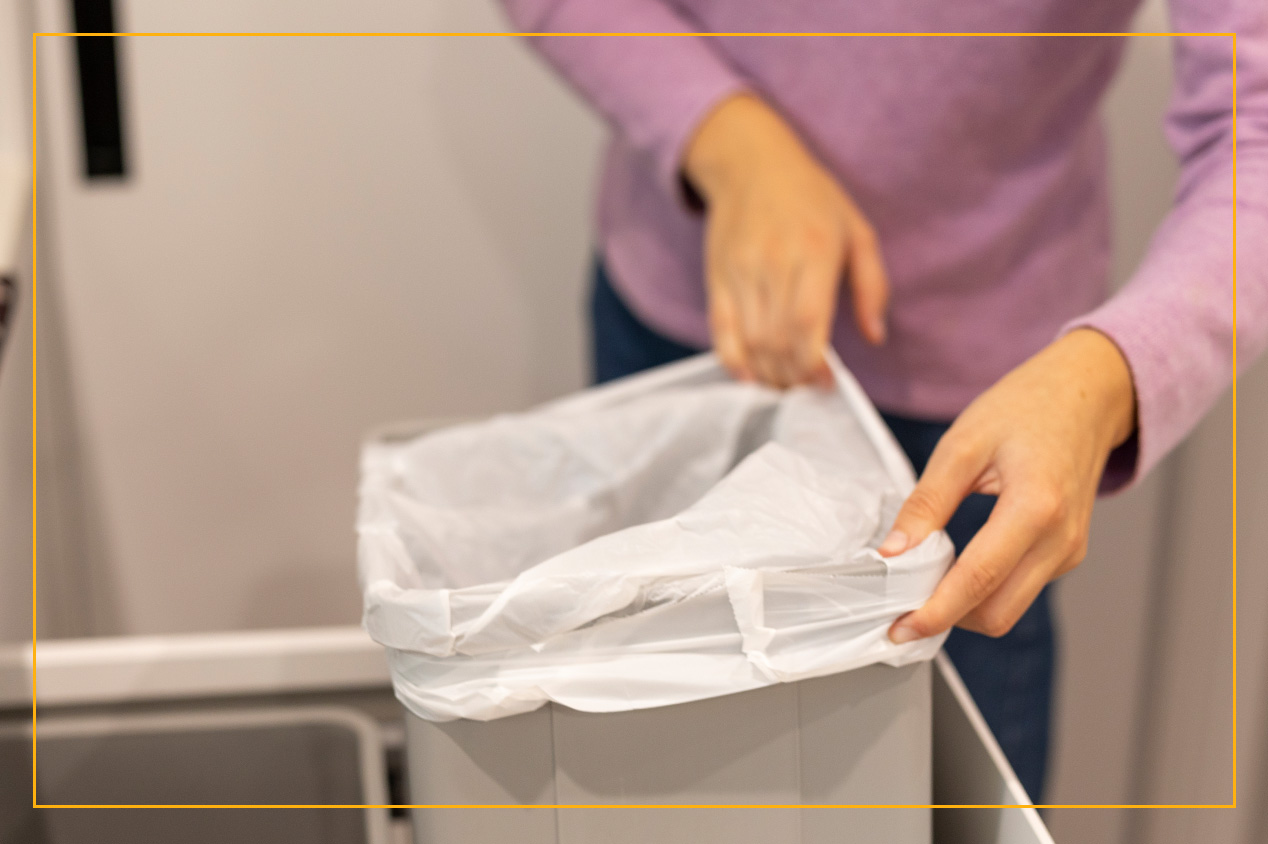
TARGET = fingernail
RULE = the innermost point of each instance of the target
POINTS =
(895, 543)
(901, 634)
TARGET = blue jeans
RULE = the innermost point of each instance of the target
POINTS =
(1010, 677)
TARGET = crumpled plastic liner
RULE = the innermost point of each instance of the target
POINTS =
(670, 537)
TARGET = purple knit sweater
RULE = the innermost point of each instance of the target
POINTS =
(981, 163)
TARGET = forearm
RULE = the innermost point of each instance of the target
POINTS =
(1192, 314)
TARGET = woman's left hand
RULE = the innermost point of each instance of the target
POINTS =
(1039, 440)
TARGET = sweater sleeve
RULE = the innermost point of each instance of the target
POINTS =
(654, 90)
(1196, 309)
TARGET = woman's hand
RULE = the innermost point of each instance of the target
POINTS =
(1039, 440)
(780, 234)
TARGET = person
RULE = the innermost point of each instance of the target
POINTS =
(951, 192)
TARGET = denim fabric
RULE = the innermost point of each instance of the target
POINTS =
(1011, 677)
(621, 344)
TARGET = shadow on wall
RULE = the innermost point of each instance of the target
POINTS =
(498, 154)
(284, 596)
(78, 592)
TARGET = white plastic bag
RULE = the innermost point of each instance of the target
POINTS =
(670, 537)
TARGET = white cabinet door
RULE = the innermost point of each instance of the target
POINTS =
(316, 235)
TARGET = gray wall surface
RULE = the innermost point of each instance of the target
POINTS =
(15, 356)
(1146, 706)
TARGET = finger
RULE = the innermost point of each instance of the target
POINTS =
(750, 296)
(951, 474)
(822, 376)
(785, 335)
(1008, 535)
(1006, 605)
(812, 309)
(1060, 550)
(780, 329)
(724, 323)
(869, 283)
(724, 326)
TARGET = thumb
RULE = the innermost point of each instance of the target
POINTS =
(949, 478)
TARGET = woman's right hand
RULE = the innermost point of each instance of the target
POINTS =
(780, 236)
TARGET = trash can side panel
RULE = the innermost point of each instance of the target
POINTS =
(739, 748)
(865, 826)
(509, 760)
(735, 825)
(866, 738)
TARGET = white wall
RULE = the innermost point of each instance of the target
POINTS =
(319, 235)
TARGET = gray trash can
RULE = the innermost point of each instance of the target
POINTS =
(698, 629)
(859, 737)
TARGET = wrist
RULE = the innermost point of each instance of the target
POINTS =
(736, 141)
(1109, 380)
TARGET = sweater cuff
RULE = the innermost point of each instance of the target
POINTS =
(703, 85)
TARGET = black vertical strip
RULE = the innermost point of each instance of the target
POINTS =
(8, 299)
(99, 90)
